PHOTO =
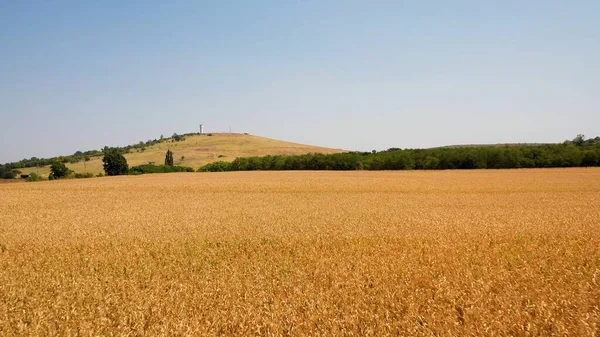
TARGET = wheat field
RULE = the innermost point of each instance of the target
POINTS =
(452, 253)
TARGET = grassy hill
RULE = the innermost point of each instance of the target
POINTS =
(199, 150)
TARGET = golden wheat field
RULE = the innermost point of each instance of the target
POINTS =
(453, 253)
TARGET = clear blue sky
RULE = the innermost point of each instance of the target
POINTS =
(357, 75)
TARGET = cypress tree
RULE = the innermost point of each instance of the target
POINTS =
(169, 158)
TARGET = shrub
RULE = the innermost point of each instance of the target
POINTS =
(144, 169)
(218, 166)
(83, 175)
(34, 177)
(178, 138)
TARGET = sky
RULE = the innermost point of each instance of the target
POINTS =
(354, 75)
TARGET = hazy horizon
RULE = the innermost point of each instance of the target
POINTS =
(347, 75)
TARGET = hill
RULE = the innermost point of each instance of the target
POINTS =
(198, 150)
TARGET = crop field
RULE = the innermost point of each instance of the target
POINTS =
(412, 253)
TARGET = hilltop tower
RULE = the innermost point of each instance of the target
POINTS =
(201, 128)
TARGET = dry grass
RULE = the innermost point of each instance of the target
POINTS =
(199, 151)
(304, 253)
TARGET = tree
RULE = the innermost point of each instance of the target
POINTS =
(169, 158)
(590, 158)
(7, 173)
(114, 163)
(431, 163)
(85, 160)
(579, 140)
(59, 170)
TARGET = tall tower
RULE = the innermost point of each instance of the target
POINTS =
(201, 128)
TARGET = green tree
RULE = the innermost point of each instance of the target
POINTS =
(169, 158)
(7, 173)
(579, 140)
(114, 163)
(590, 158)
(431, 163)
(59, 170)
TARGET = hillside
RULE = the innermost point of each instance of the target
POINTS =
(199, 150)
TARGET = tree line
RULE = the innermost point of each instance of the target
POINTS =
(575, 153)
(569, 154)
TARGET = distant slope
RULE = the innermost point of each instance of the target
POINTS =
(199, 150)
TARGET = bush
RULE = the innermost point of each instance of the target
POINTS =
(218, 166)
(34, 177)
(114, 163)
(147, 169)
(100, 175)
(83, 175)
(178, 138)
